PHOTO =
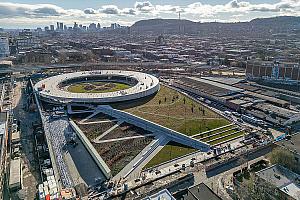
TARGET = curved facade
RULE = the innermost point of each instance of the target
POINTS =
(50, 89)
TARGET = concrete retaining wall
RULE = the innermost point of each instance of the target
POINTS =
(95, 155)
(49, 145)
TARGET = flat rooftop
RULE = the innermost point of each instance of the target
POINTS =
(161, 195)
(198, 192)
(282, 178)
(49, 87)
(15, 172)
(287, 113)
(293, 144)
(228, 81)
(217, 84)
(267, 98)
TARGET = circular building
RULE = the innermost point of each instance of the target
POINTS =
(101, 86)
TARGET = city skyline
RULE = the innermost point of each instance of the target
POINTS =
(31, 13)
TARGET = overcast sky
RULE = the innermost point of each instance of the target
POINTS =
(36, 13)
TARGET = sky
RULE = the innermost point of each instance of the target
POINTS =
(36, 13)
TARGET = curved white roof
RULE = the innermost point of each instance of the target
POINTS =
(147, 85)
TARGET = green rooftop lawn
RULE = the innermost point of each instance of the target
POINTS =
(170, 151)
(176, 111)
(97, 87)
(209, 137)
(171, 109)
(173, 150)
(227, 138)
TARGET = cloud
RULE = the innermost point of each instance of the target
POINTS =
(168, 8)
(144, 7)
(38, 10)
(129, 11)
(45, 11)
(110, 10)
(238, 4)
(114, 10)
(265, 9)
(232, 10)
(89, 11)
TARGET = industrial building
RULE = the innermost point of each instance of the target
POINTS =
(273, 71)
(241, 96)
(279, 182)
(15, 177)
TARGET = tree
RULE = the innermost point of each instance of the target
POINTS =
(285, 158)
(226, 61)
(242, 161)
(253, 190)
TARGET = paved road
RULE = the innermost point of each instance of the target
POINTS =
(31, 173)
(228, 166)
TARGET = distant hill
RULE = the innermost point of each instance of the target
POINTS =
(276, 20)
(163, 25)
(164, 22)
(259, 26)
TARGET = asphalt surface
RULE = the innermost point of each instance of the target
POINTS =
(236, 162)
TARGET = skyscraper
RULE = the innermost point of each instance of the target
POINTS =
(75, 25)
(4, 47)
(92, 26)
(61, 26)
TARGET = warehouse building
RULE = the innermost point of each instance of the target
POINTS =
(273, 71)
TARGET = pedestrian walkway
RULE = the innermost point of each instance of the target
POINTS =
(98, 122)
(97, 140)
(95, 112)
(132, 170)
(124, 138)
